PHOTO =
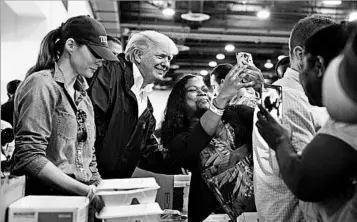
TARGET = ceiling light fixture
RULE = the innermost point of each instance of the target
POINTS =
(168, 11)
(281, 57)
(352, 16)
(229, 48)
(174, 66)
(263, 14)
(268, 64)
(203, 72)
(332, 2)
(195, 17)
(212, 64)
(220, 56)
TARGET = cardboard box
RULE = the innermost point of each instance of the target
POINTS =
(118, 192)
(49, 209)
(166, 182)
(10, 191)
(132, 213)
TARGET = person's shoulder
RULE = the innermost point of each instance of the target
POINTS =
(39, 81)
(344, 131)
(43, 76)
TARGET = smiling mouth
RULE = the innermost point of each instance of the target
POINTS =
(162, 72)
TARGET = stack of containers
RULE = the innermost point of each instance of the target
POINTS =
(129, 200)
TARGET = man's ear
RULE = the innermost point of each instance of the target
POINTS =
(320, 66)
(70, 45)
(137, 56)
(298, 52)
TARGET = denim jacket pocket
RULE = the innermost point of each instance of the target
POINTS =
(66, 125)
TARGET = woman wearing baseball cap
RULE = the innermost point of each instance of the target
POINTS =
(53, 118)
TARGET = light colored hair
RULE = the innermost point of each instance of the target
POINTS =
(145, 40)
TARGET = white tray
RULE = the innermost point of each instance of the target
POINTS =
(127, 197)
(142, 212)
(127, 184)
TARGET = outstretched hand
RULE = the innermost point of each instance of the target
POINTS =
(271, 131)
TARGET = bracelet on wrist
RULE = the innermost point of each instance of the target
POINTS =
(215, 109)
(214, 102)
(91, 193)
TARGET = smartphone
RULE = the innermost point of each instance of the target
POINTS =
(244, 56)
(248, 58)
(271, 100)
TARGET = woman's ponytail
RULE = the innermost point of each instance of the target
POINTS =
(49, 52)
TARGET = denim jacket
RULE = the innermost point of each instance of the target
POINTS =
(45, 127)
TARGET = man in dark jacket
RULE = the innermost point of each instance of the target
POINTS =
(123, 112)
(7, 109)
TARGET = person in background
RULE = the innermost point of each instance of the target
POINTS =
(218, 75)
(123, 112)
(281, 66)
(325, 173)
(7, 109)
(213, 142)
(54, 119)
(273, 199)
(115, 45)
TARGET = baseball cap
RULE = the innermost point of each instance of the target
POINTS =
(92, 33)
(339, 89)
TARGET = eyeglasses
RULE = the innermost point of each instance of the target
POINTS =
(82, 130)
(94, 53)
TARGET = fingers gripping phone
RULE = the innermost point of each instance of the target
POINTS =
(271, 100)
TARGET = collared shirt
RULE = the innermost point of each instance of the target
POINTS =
(140, 93)
(273, 199)
(45, 126)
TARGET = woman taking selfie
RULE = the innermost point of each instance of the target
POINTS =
(213, 142)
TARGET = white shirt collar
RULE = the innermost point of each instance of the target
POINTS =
(138, 82)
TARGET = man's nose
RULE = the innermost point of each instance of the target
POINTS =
(166, 63)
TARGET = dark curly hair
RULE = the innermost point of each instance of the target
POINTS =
(175, 118)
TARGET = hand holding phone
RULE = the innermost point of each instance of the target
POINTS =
(271, 100)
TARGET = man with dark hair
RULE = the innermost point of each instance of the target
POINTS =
(273, 199)
(218, 75)
(322, 174)
(115, 45)
(7, 109)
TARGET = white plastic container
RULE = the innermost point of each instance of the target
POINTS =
(133, 213)
(119, 192)
(49, 208)
(217, 218)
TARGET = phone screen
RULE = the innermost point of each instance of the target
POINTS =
(271, 100)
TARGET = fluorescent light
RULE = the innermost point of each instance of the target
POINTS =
(281, 57)
(263, 14)
(220, 56)
(352, 16)
(203, 72)
(168, 11)
(229, 48)
(174, 66)
(244, 2)
(268, 64)
(212, 64)
(332, 2)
